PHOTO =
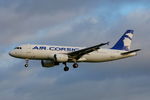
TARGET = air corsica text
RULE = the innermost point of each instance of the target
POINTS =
(55, 48)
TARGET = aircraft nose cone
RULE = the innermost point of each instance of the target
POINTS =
(11, 53)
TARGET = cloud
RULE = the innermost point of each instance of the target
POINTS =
(19, 27)
(24, 20)
(30, 87)
(78, 23)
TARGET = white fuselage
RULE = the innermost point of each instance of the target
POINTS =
(45, 52)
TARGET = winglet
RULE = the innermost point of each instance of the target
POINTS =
(108, 43)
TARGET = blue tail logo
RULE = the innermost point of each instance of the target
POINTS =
(125, 41)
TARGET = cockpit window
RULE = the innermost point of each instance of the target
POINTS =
(18, 48)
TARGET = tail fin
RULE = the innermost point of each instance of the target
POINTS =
(125, 41)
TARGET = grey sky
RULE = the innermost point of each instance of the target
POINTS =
(77, 23)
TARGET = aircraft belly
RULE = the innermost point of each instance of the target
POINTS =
(99, 57)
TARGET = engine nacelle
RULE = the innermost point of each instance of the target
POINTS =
(61, 57)
(48, 63)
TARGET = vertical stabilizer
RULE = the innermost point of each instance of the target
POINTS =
(125, 41)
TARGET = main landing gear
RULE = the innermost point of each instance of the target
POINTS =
(66, 68)
(75, 65)
(26, 65)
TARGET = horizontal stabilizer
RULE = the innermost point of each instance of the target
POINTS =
(126, 53)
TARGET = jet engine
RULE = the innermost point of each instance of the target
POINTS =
(48, 63)
(61, 57)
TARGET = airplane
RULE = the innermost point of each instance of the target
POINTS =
(51, 55)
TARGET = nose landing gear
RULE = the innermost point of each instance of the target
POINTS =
(26, 65)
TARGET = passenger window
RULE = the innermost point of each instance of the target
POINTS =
(18, 48)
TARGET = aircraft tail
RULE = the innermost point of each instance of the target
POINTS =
(125, 41)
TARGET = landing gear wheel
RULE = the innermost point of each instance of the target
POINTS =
(66, 68)
(26, 65)
(75, 65)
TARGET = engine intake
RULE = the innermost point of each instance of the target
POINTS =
(48, 63)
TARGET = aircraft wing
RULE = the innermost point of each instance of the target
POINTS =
(78, 54)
